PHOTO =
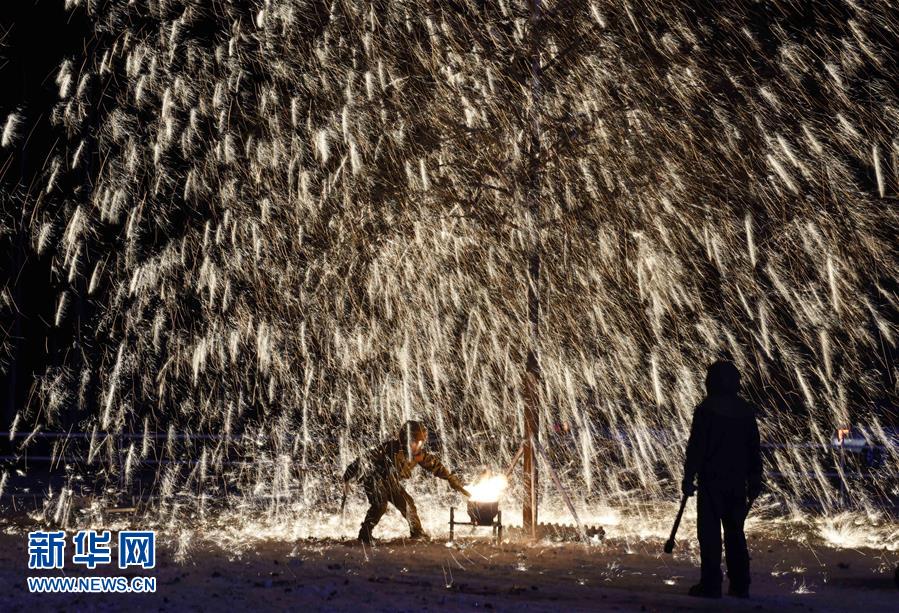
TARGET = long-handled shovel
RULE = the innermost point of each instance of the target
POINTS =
(669, 544)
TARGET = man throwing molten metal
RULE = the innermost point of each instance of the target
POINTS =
(380, 470)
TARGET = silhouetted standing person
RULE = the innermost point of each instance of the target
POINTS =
(724, 454)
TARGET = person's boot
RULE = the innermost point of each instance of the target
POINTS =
(416, 532)
(738, 591)
(365, 535)
(703, 591)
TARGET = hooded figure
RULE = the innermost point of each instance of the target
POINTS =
(724, 455)
(380, 470)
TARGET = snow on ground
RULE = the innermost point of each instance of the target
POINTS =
(471, 573)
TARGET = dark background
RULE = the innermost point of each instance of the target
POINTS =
(35, 37)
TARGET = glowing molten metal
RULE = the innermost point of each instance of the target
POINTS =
(488, 489)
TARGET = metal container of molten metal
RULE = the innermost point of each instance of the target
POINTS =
(482, 513)
(483, 506)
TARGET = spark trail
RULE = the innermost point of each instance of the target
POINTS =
(289, 225)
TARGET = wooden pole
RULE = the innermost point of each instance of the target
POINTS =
(532, 367)
(531, 428)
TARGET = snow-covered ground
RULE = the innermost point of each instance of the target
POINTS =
(470, 573)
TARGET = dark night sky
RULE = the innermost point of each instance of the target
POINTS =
(35, 36)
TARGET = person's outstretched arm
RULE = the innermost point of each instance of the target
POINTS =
(433, 465)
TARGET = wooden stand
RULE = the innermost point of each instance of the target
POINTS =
(496, 526)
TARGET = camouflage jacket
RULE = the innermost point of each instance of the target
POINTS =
(389, 459)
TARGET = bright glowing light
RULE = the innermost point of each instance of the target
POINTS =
(854, 530)
(488, 489)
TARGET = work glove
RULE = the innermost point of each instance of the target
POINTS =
(456, 483)
(687, 488)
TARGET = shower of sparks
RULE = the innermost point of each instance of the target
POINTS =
(282, 227)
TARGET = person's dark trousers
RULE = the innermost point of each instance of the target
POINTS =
(379, 493)
(717, 509)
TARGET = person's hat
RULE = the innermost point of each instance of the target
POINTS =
(414, 431)
(722, 378)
